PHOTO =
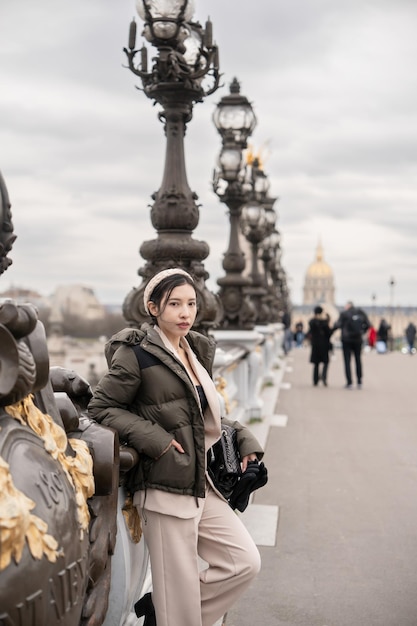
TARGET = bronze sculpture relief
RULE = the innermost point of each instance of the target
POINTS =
(59, 480)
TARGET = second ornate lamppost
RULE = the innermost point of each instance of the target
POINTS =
(176, 80)
(271, 258)
(257, 223)
(254, 228)
(235, 120)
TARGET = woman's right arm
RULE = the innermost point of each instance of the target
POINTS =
(113, 399)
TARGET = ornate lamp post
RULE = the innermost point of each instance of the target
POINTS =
(266, 256)
(7, 236)
(254, 228)
(392, 285)
(235, 120)
(186, 56)
(271, 257)
(258, 223)
(284, 291)
(269, 251)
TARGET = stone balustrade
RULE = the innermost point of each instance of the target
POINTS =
(243, 366)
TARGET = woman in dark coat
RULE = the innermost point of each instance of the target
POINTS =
(383, 332)
(158, 394)
(319, 334)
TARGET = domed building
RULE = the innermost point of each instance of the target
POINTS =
(319, 282)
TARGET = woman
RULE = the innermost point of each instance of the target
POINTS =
(319, 334)
(158, 394)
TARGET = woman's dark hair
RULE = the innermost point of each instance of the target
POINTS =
(318, 310)
(164, 289)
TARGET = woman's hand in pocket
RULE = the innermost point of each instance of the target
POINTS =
(177, 446)
(173, 444)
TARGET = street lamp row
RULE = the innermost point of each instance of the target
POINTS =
(184, 72)
(244, 188)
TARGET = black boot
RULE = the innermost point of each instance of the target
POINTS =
(145, 607)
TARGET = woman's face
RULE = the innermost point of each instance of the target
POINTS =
(177, 313)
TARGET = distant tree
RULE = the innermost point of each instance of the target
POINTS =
(113, 323)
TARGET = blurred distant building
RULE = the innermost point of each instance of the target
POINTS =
(85, 357)
(77, 301)
(67, 300)
(23, 296)
(319, 281)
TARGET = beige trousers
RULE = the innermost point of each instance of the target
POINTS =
(183, 593)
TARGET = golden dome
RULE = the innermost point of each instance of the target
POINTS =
(319, 268)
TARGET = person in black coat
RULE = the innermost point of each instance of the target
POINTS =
(410, 333)
(319, 335)
(383, 332)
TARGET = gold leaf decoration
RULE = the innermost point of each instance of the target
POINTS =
(132, 519)
(18, 524)
(221, 385)
(78, 469)
(53, 436)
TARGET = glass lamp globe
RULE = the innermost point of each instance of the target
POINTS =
(261, 186)
(247, 180)
(165, 15)
(271, 218)
(266, 243)
(170, 9)
(230, 161)
(234, 115)
(253, 215)
(193, 42)
(275, 239)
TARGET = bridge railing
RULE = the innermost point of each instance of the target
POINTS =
(244, 364)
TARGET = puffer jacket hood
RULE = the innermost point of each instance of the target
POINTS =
(128, 336)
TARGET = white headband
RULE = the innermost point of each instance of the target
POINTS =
(155, 280)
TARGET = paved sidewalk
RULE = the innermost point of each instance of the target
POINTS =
(343, 484)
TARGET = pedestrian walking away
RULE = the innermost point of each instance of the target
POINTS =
(382, 336)
(319, 333)
(158, 394)
(353, 323)
(410, 334)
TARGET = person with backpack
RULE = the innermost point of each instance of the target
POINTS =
(353, 323)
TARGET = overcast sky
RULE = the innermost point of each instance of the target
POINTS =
(333, 85)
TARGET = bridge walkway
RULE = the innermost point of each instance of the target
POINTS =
(336, 524)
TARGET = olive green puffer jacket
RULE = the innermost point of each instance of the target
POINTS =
(149, 399)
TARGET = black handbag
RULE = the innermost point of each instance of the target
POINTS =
(223, 462)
